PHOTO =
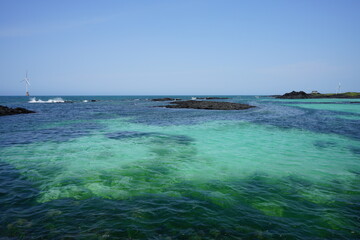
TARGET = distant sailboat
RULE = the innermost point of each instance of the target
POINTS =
(27, 84)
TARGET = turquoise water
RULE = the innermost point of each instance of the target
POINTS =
(121, 168)
(350, 108)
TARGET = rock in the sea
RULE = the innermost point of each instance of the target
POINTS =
(11, 111)
(212, 98)
(164, 99)
(216, 98)
(209, 105)
(295, 95)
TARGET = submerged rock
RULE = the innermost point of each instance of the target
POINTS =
(180, 139)
(11, 111)
(210, 105)
(128, 134)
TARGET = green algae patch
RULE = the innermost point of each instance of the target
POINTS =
(318, 196)
(269, 208)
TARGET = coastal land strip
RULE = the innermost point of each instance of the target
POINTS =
(304, 95)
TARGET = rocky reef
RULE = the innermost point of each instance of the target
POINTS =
(177, 99)
(11, 111)
(210, 105)
(209, 98)
(164, 99)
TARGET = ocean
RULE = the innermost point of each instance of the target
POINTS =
(124, 168)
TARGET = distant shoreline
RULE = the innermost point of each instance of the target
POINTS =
(303, 95)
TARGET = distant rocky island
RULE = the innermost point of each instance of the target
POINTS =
(210, 105)
(11, 111)
(304, 95)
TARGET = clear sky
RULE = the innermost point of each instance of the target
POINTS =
(83, 47)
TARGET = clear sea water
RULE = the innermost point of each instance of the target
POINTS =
(121, 168)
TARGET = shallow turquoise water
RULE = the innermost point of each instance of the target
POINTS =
(120, 168)
(350, 108)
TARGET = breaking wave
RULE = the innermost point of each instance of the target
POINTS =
(52, 100)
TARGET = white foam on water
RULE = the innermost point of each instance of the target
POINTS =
(51, 100)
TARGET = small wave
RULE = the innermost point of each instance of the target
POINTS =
(51, 100)
(193, 98)
(85, 101)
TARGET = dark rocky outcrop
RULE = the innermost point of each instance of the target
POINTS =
(11, 111)
(210, 105)
(295, 95)
(164, 99)
(212, 98)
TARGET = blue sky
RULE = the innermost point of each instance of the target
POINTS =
(179, 47)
